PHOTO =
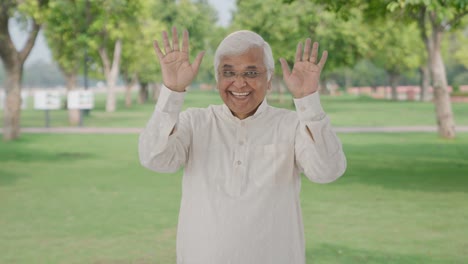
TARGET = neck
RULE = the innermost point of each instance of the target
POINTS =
(242, 116)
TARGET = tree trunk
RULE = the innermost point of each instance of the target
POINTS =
(128, 91)
(425, 82)
(13, 62)
(111, 72)
(443, 105)
(73, 114)
(348, 78)
(12, 108)
(323, 87)
(128, 95)
(393, 80)
(111, 101)
(143, 93)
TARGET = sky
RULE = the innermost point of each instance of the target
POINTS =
(41, 52)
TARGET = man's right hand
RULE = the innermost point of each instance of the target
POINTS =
(177, 72)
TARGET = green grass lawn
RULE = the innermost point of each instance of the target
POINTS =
(344, 111)
(85, 199)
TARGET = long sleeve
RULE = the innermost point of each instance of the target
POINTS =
(164, 143)
(319, 153)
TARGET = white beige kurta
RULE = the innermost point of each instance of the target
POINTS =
(240, 190)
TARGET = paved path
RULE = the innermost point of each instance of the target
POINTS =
(127, 130)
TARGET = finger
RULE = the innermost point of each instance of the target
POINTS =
(306, 54)
(313, 56)
(285, 68)
(196, 63)
(185, 42)
(157, 49)
(323, 59)
(298, 52)
(175, 39)
(167, 46)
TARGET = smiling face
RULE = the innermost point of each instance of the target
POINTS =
(244, 91)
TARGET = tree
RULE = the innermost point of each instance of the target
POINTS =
(65, 31)
(109, 24)
(31, 12)
(434, 19)
(395, 47)
(140, 61)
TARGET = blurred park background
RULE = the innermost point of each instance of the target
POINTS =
(74, 192)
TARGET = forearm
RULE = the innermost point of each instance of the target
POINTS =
(159, 148)
(319, 151)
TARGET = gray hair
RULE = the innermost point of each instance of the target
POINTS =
(239, 42)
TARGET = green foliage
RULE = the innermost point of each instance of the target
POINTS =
(365, 73)
(284, 25)
(444, 15)
(76, 27)
(459, 40)
(32, 9)
(396, 46)
(66, 33)
(447, 14)
(198, 17)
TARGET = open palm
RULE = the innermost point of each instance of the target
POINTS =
(177, 72)
(305, 76)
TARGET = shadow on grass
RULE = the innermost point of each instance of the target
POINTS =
(16, 155)
(22, 155)
(331, 253)
(420, 167)
(9, 177)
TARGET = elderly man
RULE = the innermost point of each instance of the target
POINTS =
(242, 160)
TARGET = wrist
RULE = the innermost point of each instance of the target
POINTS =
(299, 95)
(174, 88)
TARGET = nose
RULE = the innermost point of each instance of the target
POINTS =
(239, 80)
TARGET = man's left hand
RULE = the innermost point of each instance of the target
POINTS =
(305, 76)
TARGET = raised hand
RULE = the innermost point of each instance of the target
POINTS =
(305, 76)
(177, 72)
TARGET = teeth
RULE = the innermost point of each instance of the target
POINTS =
(240, 94)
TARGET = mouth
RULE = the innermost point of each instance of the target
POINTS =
(240, 95)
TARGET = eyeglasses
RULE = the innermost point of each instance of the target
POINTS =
(231, 75)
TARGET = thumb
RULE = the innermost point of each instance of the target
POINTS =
(285, 68)
(196, 63)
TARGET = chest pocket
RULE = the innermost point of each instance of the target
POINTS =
(272, 164)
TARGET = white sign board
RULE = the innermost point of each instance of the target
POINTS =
(24, 100)
(47, 100)
(80, 99)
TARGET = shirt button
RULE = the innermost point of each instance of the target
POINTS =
(239, 162)
(241, 143)
(242, 124)
(302, 108)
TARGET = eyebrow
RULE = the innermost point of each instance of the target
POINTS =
(250, 67)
